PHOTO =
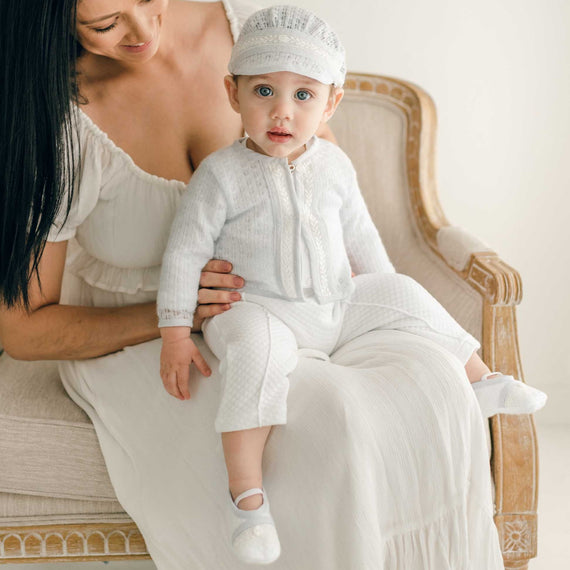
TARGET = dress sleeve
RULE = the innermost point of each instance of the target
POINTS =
(87, 185)
(363, 244)
(193, 234)
(238, 12)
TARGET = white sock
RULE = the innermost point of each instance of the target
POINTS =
(504, 395)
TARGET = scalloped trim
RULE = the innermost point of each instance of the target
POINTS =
(50, 543)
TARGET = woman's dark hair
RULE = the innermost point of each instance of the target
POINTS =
(38, 52)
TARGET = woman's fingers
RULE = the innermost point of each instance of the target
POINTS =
(212, 279)
(206, 311)
(206, 296)
(212, 299)
(203, 312)
(218, 266)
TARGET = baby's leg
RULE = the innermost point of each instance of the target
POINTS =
(396, 301)
(256, 352)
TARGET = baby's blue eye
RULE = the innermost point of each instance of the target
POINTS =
(264, 91)
(302, 95)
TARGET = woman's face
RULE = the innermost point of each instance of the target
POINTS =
(123, 30)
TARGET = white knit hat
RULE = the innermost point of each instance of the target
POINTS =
(289, 38)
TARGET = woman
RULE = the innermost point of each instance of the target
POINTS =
(144, 79)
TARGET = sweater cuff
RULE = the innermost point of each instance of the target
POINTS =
(178, 322)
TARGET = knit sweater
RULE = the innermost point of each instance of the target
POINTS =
(262, 214)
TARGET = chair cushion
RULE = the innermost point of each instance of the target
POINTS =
(48, 444)
(26, 510)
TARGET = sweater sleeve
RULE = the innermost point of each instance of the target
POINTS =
(362, 241)
(194, 232)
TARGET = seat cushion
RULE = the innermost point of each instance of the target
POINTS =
(47, 443)
(26, 510)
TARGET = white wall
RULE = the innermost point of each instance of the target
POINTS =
(499, 72)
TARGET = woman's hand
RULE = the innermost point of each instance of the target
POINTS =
(216, 273)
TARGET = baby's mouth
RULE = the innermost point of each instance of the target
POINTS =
(278, 134)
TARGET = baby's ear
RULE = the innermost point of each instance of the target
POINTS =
(230, 84)
(337, 93)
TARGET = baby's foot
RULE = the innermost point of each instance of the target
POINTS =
(503, 394)
(252, 532)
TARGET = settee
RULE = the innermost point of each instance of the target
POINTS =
(56, 499)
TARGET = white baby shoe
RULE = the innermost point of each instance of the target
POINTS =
(252, 533)
(504, 395)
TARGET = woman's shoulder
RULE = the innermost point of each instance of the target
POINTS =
(200, 19)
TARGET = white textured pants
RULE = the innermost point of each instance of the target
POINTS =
(258, 339)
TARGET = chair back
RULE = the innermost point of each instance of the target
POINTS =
(379, 124)
(387, 127)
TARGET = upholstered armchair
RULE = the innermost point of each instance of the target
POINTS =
(56, 499)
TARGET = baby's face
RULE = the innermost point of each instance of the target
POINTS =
(281, 111)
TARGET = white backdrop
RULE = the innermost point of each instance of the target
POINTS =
(499, 72)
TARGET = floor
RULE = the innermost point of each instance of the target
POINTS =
(553, 521)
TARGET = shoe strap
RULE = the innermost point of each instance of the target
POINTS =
(247, 494)
(500, 375)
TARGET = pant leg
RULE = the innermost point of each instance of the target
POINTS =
(256, 351)
(396, 301)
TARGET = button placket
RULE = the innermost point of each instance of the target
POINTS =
(287, 250)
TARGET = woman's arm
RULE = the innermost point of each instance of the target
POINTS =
(50, 331)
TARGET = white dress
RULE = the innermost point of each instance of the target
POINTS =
(382, 464)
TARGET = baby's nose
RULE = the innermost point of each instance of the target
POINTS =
(282, 109)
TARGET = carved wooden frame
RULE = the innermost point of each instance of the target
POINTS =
(514, 459)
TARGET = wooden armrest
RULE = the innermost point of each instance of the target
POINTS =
(514, 458)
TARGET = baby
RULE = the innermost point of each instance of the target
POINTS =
(285, 208)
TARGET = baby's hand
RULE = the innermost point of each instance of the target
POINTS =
(177, 354)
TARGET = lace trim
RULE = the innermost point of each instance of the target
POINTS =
(292, 49)
(172, 316)
(315, 230)
(269, 38)
(287, 249)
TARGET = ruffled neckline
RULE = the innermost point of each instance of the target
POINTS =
(118, 151)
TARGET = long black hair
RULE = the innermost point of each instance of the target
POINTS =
(38, 52)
